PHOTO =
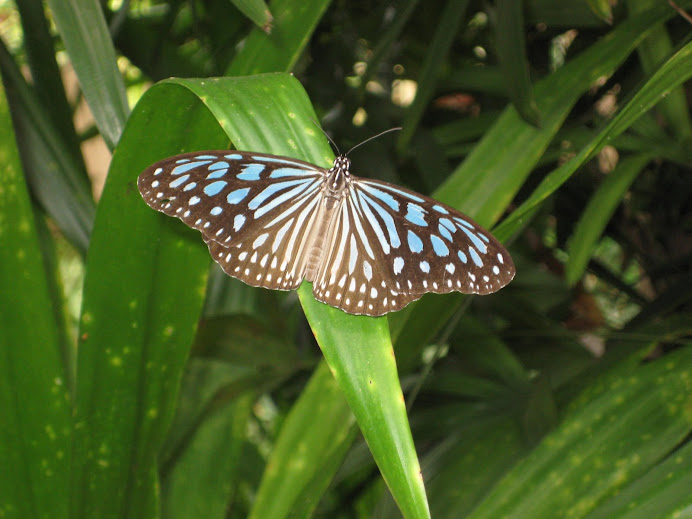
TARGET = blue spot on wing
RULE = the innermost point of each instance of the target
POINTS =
(415, 214)
(448, 224)
(219, 173)
(233, 156)
(184, 168)
(383, 197)
(389, 187)
(179, 181)
(474, 238)
(290, 172)
(414, 242)
(214, 188)
(439, 246)
(463, 222)
(444, 232)
(218, 165)
(475, 257)
(237, 196)
(368, 202)
(272, 189)
(238, 222)
(251, 172)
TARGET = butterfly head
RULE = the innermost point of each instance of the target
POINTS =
(338, 174)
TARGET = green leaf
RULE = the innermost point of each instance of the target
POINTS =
(436, 55)
(257, 11)
(664, 491)
(56, 179)
(85, 34)
(34, 401)
(45, 74)
(618, 429)
(671, 74)
(491, 175)
(600, 208)
(203, 478)
(653, 51)
(602, 9)
(305, 459)
(294, 23)
(139, 329)
(138, 316)
(462, 468)
(511, 50)
(359, 353)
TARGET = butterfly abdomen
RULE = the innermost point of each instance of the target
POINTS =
(318, 237)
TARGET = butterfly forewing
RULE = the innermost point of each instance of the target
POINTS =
(252, 209)
(368, 246)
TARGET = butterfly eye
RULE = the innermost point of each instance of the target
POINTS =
(368, 247)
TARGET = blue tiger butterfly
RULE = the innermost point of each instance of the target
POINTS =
(369, 247)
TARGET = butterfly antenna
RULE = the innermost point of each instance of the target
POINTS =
(338, 151)
(371, 138)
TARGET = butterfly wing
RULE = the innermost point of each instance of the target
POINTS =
(252, 209)
(388, 246)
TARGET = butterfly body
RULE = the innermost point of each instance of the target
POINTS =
(368, 247)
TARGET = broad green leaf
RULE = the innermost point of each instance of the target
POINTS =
(138, 317)
(85, 34)
(240, 107)
(664, 491)
(45, 74)
(251, 123)
(34, 400)
(462, 468)
(359, 353)
(618, 429)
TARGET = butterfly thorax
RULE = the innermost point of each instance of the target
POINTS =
(337, 178)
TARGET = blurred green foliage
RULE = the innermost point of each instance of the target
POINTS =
(135, 382)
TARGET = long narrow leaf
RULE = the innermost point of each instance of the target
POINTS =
(671, 74)
(597, 213)
(85, 33)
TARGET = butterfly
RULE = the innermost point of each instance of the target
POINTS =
(369, 247)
